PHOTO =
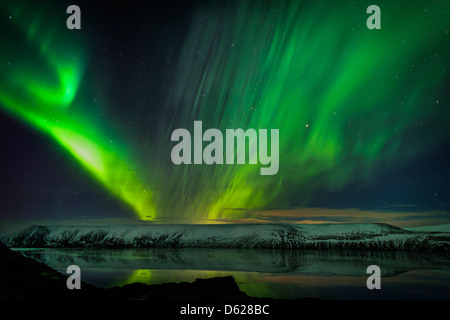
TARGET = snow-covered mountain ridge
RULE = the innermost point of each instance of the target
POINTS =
(371, 236)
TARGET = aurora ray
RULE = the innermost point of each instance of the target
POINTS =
(329, 87)
(41, 92)
(348, 102)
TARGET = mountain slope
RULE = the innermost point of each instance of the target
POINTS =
(319, 236)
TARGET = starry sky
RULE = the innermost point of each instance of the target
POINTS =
(363, 115)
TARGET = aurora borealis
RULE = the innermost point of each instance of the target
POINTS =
(362, 114)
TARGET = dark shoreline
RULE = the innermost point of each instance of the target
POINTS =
(22, 278)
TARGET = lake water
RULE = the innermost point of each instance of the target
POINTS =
(285, 274)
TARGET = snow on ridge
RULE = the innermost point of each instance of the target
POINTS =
(316, 236)
(442, 228)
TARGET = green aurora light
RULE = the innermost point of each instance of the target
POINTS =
(347, 101)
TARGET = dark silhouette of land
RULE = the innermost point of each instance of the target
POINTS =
(25, 278)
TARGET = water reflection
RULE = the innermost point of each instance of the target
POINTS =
(264, 273)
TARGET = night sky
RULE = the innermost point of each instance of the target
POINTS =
(86, 115)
